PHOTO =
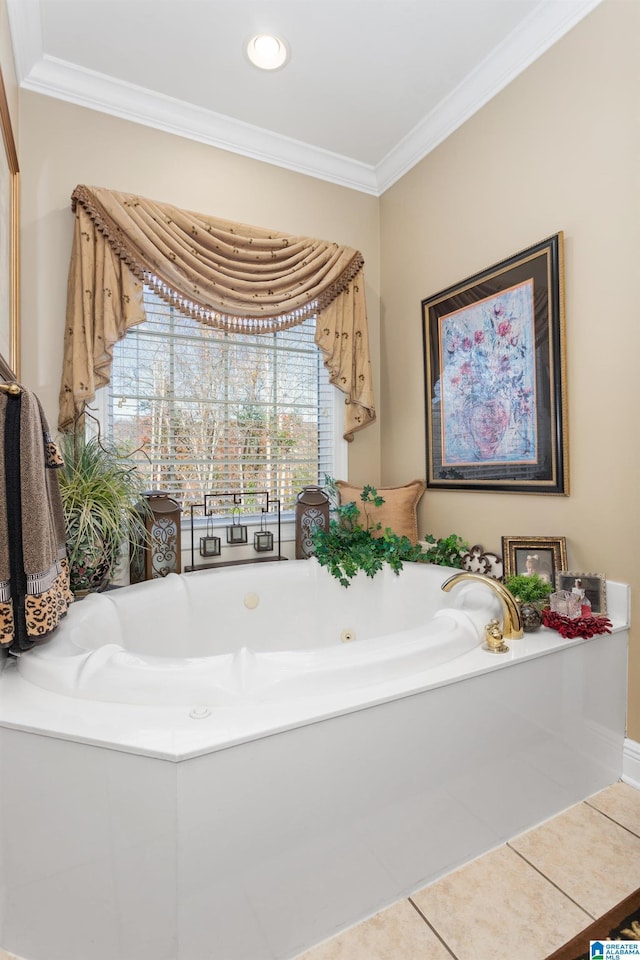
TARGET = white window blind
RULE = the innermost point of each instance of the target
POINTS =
(222, 411)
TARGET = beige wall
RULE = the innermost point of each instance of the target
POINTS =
(62, 145)
(557, 150)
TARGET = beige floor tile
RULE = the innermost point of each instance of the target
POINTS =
(500, 906)
(620, 802)
(595, 861)
(398, 933)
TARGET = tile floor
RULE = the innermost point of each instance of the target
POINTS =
(523, 899)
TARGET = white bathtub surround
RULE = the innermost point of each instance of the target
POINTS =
(137, 831)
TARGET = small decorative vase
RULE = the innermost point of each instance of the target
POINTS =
(98, 587)
(89, 572)
(531, 617)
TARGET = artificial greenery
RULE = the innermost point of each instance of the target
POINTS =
(528, 588)
(353, 542)
(447, 552)
(100, 496)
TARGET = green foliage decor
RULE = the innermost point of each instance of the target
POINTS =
(447, 551)
(529, 588)
(100, 496)
(349, 545)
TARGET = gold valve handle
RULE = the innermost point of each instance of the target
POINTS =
(494, 641)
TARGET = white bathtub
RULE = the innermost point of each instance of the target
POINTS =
(262, 633)
(187, 773)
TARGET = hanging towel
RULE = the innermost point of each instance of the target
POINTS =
(34, 573)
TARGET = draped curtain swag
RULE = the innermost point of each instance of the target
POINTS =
(231, 276)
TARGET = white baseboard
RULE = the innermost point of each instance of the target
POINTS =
(631, 763)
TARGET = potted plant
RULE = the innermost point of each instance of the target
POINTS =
(100, 496)
(532, 591)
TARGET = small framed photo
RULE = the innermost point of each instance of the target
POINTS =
(593, 584)
(546, 556)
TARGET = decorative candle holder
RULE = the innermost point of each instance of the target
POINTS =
(160, 554)
(312, 510)
(209, 545)
(236, 531)
(263, 538)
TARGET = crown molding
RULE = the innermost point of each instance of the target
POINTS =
(86, 88)
(65, 81)
(535, 35)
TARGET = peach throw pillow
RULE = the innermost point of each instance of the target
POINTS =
(398, 511)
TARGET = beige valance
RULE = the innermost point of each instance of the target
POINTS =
(228, 275)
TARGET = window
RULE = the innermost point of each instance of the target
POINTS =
(221, 411)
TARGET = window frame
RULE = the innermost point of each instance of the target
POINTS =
(100, 409)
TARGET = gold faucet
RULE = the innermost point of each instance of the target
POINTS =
(512, 628)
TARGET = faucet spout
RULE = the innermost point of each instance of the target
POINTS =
(512, 627)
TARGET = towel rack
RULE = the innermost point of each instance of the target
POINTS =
(13, 388)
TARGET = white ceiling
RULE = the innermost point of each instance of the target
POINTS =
(371, 87)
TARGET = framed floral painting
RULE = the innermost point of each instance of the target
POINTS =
(494, 358)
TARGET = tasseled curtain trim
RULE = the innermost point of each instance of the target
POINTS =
(235, 277)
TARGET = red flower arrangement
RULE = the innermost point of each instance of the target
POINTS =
(584, 627)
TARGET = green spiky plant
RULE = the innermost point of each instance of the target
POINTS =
(100, 495)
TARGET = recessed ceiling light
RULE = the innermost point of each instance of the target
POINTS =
(267, 52)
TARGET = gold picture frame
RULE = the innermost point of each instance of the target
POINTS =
(546, 556)
(495, 384)
(9, 246)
